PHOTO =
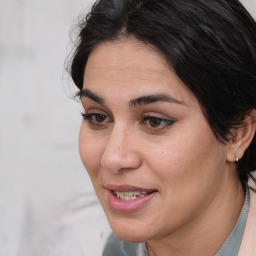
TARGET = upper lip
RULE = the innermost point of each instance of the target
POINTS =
(127, 188)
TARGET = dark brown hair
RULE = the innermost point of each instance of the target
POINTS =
(211, 45)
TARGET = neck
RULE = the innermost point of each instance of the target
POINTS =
(205, 234)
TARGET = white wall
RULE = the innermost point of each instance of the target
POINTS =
(47, 204)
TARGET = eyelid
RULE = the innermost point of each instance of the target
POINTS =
(88, 115)
(95, 111)
(158, 115)
(147, 117)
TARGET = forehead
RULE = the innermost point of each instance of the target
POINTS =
(131, 67)
(134, 52)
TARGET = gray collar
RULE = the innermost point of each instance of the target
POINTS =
(232, 244)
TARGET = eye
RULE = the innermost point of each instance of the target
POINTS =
(156, 123)
(96, 118)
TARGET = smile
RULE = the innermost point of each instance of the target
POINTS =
(132, 195)
(126, 198)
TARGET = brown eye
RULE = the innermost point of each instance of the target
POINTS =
(100, 118)
(154, 122)
(97, 118)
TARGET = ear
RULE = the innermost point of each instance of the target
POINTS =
(242, 137)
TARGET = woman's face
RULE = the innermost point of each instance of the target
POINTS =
(153, 160)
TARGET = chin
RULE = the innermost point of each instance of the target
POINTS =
(131, 233)
(130, 238)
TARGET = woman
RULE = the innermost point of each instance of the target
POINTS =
(168, 136)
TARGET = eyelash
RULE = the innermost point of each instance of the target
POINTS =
(90, 117)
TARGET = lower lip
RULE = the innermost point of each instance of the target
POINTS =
(124, 206)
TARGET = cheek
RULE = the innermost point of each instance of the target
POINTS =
(90, 152)
(187, 159)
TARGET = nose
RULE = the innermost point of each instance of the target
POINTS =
(121, 151)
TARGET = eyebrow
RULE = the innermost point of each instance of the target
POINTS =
(91, 95)
(144, 100)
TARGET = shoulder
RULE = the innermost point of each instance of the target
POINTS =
(248, 246)
(116, 247)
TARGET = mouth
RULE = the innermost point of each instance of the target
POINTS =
(128, 198)
(130, 195)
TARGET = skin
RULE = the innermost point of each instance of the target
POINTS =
(199, 195)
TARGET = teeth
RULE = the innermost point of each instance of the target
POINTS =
(132, 195)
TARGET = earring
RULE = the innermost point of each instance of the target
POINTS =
(237, 160)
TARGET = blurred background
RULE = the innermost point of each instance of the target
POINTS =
(47, 204)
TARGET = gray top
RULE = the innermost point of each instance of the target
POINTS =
(115, 247)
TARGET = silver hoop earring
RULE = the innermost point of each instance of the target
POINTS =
(237, 160)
